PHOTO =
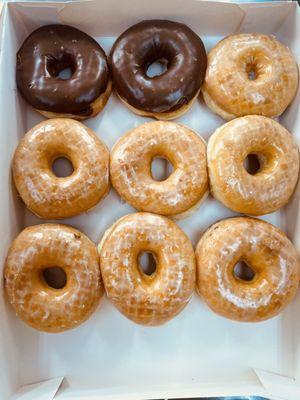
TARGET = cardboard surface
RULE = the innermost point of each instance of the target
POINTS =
(45, 390)
(198, 353)
(284, 388)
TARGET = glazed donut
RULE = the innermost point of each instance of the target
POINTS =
(170, 94)
(272, 185)
(38, 249)
(268, 252)
(250, 73)
(44, 54)
(147, 299)
(52, 197)
(130, 168)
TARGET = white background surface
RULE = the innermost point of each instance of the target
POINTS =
(109, 354)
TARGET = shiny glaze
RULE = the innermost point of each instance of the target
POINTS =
(130, 168)
(270, 254)
(53, 197)
(272, 186)
(39, 305)
(147, 299)
(149, 41)
(229, 92)
(46, 52)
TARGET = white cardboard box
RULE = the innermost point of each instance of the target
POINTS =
(198, 353)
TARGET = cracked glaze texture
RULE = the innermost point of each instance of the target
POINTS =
(39, 305)
(147, 299)
(271, 187)
(230, 93)
(53, 197)
(271, 256)
(130, 168)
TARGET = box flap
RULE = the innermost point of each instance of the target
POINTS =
(45, 390)
(255, 16)
(103, 18)
(279, 386)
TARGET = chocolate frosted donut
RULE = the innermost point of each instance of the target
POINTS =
(51, 49)
(170, 94)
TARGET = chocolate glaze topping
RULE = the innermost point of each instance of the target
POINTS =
(149, 41)
(49, 50)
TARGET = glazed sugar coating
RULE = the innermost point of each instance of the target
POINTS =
(35, 302)
(250, 73)
(147, 299)
(50, 196)
(270, 254)
(272, 186)
(130, 168)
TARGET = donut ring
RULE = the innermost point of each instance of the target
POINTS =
(271, 256)
(147, 299)
(130, 168)
(170, 94)
(52, 197)
(274, 183)
(250, 73)
(35, 302)
(44, 54)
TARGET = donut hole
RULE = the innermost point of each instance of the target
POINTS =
(243, 271)
(147, 262)
(161, 169)
(253, 163)
(62, 167)
(65, 73)
(61, 67)
(157, 68)
(252, 70)
(54, 277)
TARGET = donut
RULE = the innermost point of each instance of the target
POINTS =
(130, 168)
(44, 54)
(52, 197)
(271, 256)
(147, 299)
(37, 250)
(250, 73)
(271, 187)
(170, 94)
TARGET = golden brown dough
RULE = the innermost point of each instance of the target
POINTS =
(250, 73)
(147, 299)
(266, 250)
(130, 168)
(272, 186)
(53, 197)
(38, 304)
(163, 116)
(96, 106)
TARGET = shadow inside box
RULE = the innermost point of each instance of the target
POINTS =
(225, 398)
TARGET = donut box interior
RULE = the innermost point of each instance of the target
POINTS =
(197, 353)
